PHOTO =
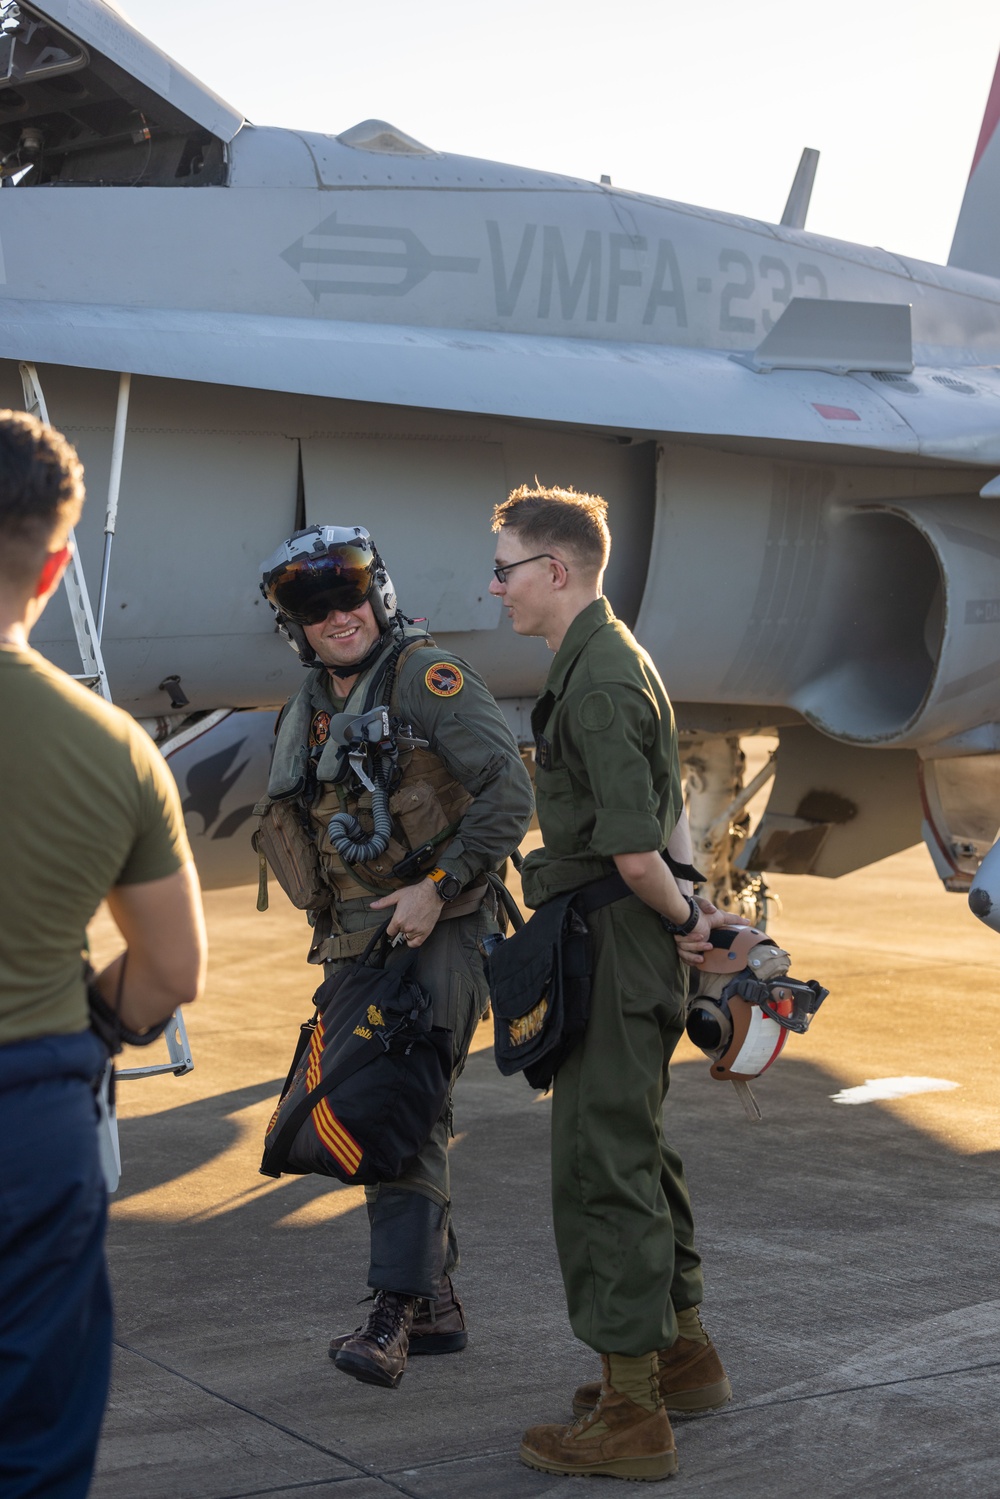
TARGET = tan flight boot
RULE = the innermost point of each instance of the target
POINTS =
(626, 1435)
(692, 1379)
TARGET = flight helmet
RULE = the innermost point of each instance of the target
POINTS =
(324, 568)
(745, 1004)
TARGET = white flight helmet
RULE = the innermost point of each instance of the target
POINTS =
(324, 568)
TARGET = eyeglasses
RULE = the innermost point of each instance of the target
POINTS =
(500, 573)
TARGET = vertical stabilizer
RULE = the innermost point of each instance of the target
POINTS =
(976, 246)
(797, 207)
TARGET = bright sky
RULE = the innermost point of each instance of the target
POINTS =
(707, 103)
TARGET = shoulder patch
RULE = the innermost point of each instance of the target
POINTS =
(596, 711)
(443, 679)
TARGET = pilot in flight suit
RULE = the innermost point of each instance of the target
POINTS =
(461, 804)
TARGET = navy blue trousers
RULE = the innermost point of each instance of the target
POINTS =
(55, 1303)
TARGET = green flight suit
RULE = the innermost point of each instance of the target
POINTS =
(607, 782)
(412, 1239)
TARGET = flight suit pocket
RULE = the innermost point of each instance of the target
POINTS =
(418, 810)
(556, 806)
(281, 839)
(468, 997)
(648, 969)
(475, 756)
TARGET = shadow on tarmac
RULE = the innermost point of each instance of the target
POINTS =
(852, 1290)
(195, 1131)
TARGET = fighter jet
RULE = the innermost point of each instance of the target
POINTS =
(247, 330)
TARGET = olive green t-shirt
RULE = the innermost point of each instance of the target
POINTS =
(86, 802)
(607, 775)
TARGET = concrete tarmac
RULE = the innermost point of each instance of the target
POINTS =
(850, 1248)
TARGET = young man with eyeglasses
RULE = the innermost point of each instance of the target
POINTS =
(608, 794)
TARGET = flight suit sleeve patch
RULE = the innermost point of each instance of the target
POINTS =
(444, 679)
(596, 711)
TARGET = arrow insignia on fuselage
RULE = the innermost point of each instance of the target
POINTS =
(332, 243)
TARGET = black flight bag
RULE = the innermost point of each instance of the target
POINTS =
(369, 1078)
(539, 980)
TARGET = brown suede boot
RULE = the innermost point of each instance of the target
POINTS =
(438, 1326)
(376, 1353)
(692, 1380)
(621, 1437)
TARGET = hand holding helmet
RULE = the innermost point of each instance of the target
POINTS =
(744, 1005)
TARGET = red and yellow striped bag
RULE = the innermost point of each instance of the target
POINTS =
(369, 1077)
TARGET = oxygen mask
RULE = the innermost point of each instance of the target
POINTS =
(368, 746)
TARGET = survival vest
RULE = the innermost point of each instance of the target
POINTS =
(427, 806)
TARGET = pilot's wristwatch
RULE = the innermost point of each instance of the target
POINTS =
(682, 928)
(447, 885)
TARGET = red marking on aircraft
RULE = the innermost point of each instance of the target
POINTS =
(990, 119)
(836, 413)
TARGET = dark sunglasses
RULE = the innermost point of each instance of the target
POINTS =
(307, 589)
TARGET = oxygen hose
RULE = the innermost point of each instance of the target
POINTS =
(348, 836)
(344, 831)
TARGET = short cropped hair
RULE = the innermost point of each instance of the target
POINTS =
(559, 517)
(41, 495)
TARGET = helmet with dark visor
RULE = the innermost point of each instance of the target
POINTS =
(304, 589)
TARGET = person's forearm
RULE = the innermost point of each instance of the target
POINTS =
(681, 847)
(648, 877)
(164, 929)
(145, 998)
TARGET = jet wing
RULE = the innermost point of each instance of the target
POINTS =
(621, 386)
(105, 30)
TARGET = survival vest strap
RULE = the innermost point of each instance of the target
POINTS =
(539, 982)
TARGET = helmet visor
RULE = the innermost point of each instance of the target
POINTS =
(307, 588)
